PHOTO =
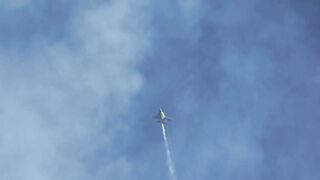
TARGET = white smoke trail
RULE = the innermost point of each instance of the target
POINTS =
(169, 159)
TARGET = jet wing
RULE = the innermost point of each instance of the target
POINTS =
(169, 118)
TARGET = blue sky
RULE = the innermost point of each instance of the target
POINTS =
(80, 81)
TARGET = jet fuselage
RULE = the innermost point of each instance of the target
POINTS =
(162, 115)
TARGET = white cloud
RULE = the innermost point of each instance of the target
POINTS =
(56, 99)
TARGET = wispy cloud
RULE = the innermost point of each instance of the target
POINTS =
(60, 99)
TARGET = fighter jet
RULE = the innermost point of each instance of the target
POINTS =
(162, 118)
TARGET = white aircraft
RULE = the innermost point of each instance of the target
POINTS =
(162, 118)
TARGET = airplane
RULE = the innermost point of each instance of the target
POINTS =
(162, 118)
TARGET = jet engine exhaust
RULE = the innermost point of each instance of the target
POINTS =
(168, 152)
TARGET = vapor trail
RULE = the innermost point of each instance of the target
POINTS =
(169, 159)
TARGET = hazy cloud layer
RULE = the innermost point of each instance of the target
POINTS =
(79, 83)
